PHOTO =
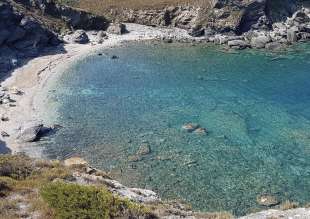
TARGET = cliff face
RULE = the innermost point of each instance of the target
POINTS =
(221, 16)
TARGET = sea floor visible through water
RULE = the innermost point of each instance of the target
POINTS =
(255, 106)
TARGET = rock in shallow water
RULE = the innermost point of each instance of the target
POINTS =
(134, 158)
(29, 131)
(201, 131)
(190, 127)
(32, 131)
(267, 200)
(241, 44)
(144, 149)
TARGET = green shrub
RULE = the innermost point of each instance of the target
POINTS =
(15, 166)
(86, 202)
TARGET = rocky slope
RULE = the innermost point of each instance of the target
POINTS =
(222, 16)
(20, 36)
(270, 24)
(28, 27)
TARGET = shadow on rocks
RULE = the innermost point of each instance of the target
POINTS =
(22, 38)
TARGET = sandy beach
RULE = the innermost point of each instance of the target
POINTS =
(38, 72)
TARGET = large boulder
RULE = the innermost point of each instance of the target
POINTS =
(117, 28)
(238, 44)
(79, 36)
(274, 46)
(292, 35)
(29, 131)
(260, 41)
(301, 17)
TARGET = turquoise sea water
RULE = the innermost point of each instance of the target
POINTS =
(256, 107)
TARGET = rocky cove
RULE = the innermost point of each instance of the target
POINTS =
(21, 86)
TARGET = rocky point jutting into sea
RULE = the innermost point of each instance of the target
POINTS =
(145, 95)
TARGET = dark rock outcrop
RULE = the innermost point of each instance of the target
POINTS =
(27, 27)
(74, 18)
(21, 36)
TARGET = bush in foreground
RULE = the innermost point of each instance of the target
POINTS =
(79, 201)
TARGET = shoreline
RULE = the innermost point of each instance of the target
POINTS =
(39, 72)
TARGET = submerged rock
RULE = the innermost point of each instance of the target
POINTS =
(144, 149)
(190, 127)
(134, 158)
(202, 131)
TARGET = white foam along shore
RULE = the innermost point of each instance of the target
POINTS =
(37, 73)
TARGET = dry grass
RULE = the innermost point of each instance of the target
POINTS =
(216, 215)
(8, 209)
(273, 217)
(137, 4)
(102, 7)
(289, 205)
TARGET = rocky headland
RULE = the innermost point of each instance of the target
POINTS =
(40, 38)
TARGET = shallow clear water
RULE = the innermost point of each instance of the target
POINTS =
(256, 107)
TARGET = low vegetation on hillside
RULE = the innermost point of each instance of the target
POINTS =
(104, 7)
(29, 187)
(46, 189)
